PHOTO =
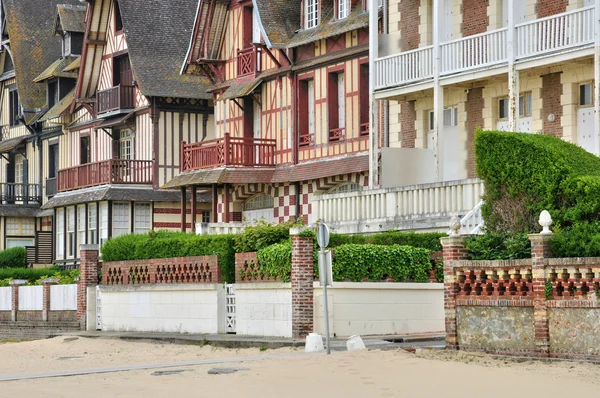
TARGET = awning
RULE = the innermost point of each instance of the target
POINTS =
(59, 107)
(115, 121)
(9, 145)
(237, 90)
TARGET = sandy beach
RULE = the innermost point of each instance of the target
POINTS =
(391, 373)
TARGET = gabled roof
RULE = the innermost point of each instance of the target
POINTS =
(157, 33)
(279, 20)
(34, 47)
(70, 18)
(60, 107)
(57, 69)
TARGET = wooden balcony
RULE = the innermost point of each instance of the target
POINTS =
(115, 99)
(228, 151)
(14, 193)
(248, 61)
(113, 171)
(539, 38)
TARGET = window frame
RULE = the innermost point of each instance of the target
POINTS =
(591, 94)
(70, 231)
(525, 104)
(125, 144)
(261, 205)
(340, 188)
(118, 226)
(311, 14)
(92, 224)
(343, 8)
(137, 213)
(14, 107)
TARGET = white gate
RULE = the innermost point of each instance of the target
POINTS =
(98, 308)
(585, 129)
(230, 308)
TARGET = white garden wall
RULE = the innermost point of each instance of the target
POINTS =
(175, 308)
(264, 309)
(381, 308)
(31, 298)
(63, 297)
(5, 299)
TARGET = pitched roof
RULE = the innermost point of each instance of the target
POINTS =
(279, 20)
(70, 18)
(157, 33)
(34, 47)
(57, 69)
(60, 107)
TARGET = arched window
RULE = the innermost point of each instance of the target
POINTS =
(259, 202)
(345, 188)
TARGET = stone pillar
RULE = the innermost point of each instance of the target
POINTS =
(540, 251)
(88, 277)
(454, 249)
(14, 285)
(46, 283)
(302, 283)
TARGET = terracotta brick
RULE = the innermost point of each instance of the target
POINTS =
(474, 120)
(475, 18)
(546, 8)
(551, 92)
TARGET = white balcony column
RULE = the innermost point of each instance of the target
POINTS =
(438, 90)
(597, 76)
(513, 74)
(374, 104)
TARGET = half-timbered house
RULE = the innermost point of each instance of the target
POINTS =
(130, 110)
(290, 83)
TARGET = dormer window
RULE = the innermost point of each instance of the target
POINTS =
(311, 14)
(343, 8)
(72, 43)
(53, 95)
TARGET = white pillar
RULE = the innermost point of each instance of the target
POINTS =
(374, 105)
(597, 77)
(438, 91)
(513, 74)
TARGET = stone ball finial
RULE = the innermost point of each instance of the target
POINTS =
(455, 226)
(545, 221)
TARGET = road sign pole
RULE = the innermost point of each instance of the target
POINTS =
(326, 319)
(325, 273)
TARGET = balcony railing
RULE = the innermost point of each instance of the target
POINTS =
(228, 151)
(112, 171)
(116, 98)
(15, 193)
(536, 38)
(248, 61)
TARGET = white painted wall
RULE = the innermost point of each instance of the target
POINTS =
(381, 308)
(173, 308)
(5, 299)
(264, 309)
(30, 298)
(63, 297)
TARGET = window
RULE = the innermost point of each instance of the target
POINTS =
(84, 149)
(14, 109)
(103, 214)
(12, 242)
(306, 111)
(343, 9)
(364, 99)
(120, 219)
(52, 93)
(525, 103)
(206, 216)
(70, 232)
(60, 234)
(337, 106)
(585, 94)
(503, 108)
(81, 223)
(311, 14)
(19, 176)
(259, 202)
(53, 160)
(92, 224)
(125, 144)
(451, 117)
(143, 218)
(118, 20)
(345, 188)
(17, 226)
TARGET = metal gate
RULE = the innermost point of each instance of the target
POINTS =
(98, 308)
(230, 308)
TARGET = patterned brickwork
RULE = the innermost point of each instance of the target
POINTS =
(248, 269)
(546, 8)
(551, 93)
(302, 285)
(453, 250)
(408, 130)
(475, 18)
(474, 107)
(409, 23)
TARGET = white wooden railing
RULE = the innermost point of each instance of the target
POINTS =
(219, 228)
(403, 68)
(472, 222)
(557, 32)
(481, 50)
(411, 202)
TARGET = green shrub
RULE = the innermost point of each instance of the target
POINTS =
(261, 235)
(15, 257)
(276, 261)
(498, 246)
(173, 244)
(581, 240)
(527, 173)
(35, 275)
(375, 263)
(429, 240)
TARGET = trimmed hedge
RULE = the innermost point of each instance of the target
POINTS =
(581, 240)
(165, 244)
(15, 257)
(34, 275)
(498, 246)
(428, 240)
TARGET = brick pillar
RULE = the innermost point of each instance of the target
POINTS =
(14, 285)
(88, 277)
(302, 284)
(46, 283)
(454, 249)
(540, 251)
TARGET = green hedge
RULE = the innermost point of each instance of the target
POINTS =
(581, 240)
(15, 257)
(429, 240)
(262, 235)
(164, 244)
(498, 246)
(34, 275)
